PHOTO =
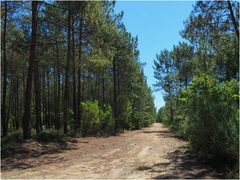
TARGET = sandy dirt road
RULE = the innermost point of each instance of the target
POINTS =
(151, 152)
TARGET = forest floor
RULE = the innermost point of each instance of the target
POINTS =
(151, 152)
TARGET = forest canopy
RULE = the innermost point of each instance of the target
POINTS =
(200, 80)
(72, 67)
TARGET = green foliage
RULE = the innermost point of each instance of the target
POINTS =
(212, 111)
(200, 83)
(50, 135)
(90, 117)
(72, 122)
(13, 137)
(207, 115)
(107, 123)
(99, 41)
(97, 120)
(159, 115)
(125, 112)
(10, 143)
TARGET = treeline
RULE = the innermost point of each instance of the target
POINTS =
(200, 80)
(70, 66)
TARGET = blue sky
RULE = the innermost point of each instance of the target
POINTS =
(157, 25)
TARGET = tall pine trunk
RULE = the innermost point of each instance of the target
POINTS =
(28, 95)
(4, 121)
(48, 120)
(115, 94)
(79, 92)
(234, 21)
(103, 89)
(44, 102)
(66, 92)
(58, 95)
(37, 88)
(16, 104)
(74, 76)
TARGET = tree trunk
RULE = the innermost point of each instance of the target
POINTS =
(27, 107)
(74, 76)
(4, 125)
(115, 94)
(55, 91)
(79, 93)
(58, 96)
(235, 23)
(11, 92)
(44, 99)
(16, 105)
(96, 89)
(37, 88)
(66, 93)
(48, 102)
(103, 89)
(186, 82)
(171, 111)
(118, 82)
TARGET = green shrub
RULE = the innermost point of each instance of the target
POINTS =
(207, 115)
(90, 118)
(74, 133)
(50, 135)
(124, 119)
(97, 120)
(159, 115)
(148, 119)
(12, 138)
(72, 122)
(11, 143)
(212, 113)
(107, 123)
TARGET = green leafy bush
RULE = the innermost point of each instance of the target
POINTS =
(50, 135)
(212, 117)
(125, 112)
(97, 120)
(148, 119)
(206, 113)
(72, 123)
(13, 137)
(11, 143)
(107, 123)
(90, 118)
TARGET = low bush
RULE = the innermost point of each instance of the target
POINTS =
(212, 111)
(97, 120)
(50, 135)
(206, 113)
(90, 118)
(124, 119)
(10, 143)
(13, 137)
(107, 123)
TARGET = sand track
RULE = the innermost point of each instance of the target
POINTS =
(151, 152)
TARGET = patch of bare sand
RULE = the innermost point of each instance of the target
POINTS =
(151, 152)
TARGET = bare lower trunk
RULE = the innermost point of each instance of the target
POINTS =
(4, 121)
(234, 21)
(66, 92)
(28, 96)
(37, 98)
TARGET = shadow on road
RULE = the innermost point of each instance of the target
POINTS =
(164, 131)
(30, 154)
(181, 164)
(163, 134)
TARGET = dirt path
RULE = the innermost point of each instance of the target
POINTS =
(151, 152)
